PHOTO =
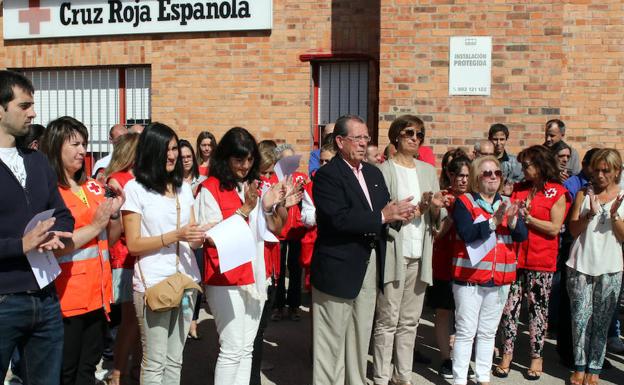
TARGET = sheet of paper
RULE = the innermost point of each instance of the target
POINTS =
(234, 242)
(287, 166)
(44, 266)
(477, 250)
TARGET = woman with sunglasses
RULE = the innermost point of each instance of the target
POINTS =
(543, 204)
(407, 269)
(481, 278)
(595, 264)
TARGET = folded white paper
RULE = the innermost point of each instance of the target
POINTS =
(477, 250)
(286, 166)
(44, 266)
(234, 242)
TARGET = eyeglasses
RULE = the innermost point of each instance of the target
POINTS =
(359, 138)
(490, 173)
(409, 133)
(526, 165)
(462, 176)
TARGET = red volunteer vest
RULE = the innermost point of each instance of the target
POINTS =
(229, 202)
(539, 251)
(443, 252)
(85, 282)
(498, 265)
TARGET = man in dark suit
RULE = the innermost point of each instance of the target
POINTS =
(352, 208)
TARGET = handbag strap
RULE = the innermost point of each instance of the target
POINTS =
(177, 244)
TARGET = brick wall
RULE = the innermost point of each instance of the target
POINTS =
(550, 59)
(211, 81)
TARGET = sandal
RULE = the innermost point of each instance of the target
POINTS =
(577, 378)
(590, 379)
(501, 372)
(533, 374)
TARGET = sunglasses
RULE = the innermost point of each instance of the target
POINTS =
(490, 173)
(409, 132)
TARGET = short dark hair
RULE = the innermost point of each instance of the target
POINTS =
(58, 131)
(560, 145)
(401, 123)
(183, 143)
(10, 79)
(236, 143)
(544, 161)
(35, 131)
(498, 127)
(559, 124)
(341, 127)
(200, 138)
(588, 155)
(150, 168)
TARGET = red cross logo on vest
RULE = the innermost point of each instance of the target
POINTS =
(94, 187)
(34, 16)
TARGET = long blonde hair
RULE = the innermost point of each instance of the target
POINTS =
(123, 154)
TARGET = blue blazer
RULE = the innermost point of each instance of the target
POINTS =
(347, 228)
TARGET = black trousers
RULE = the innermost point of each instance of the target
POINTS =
(256, 359)
(83, 347)
(289, 256)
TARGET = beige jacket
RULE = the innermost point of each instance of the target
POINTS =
(394, 269)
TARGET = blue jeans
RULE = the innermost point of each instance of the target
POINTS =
(32, 322)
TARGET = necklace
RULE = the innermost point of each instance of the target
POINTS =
(603, 213)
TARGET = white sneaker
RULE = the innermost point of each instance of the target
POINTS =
(615, 345)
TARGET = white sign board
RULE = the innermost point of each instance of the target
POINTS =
(34, 19)
(470, 65)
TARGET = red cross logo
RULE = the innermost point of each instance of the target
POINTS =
(34, 16)
(94, 187)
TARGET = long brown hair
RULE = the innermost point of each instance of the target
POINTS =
(56, 133)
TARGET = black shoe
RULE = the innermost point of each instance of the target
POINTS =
(471, 373)
(421, 358)
(446, 369)
(606, 365)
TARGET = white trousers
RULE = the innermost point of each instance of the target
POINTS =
(478, 311)
(237, 316)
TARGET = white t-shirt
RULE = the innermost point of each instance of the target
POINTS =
(102, 164)
(159, 216)
(414, 231)
(15, 162)
(596, 251)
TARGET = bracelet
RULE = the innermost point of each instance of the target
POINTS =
(162, 240)
(241, 213)
(115, 216)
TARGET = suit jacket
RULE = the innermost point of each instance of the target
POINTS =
(347, 227)
(394, 269)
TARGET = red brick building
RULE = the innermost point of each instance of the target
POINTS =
(323, 58)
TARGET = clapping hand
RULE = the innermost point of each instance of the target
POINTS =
(398, 210)
(251, 197)
(500, 213)
(512, 211)
(293, 192)
(617, 203)
(42, 239)
(594, 203)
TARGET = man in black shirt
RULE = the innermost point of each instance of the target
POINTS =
(30, 316)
